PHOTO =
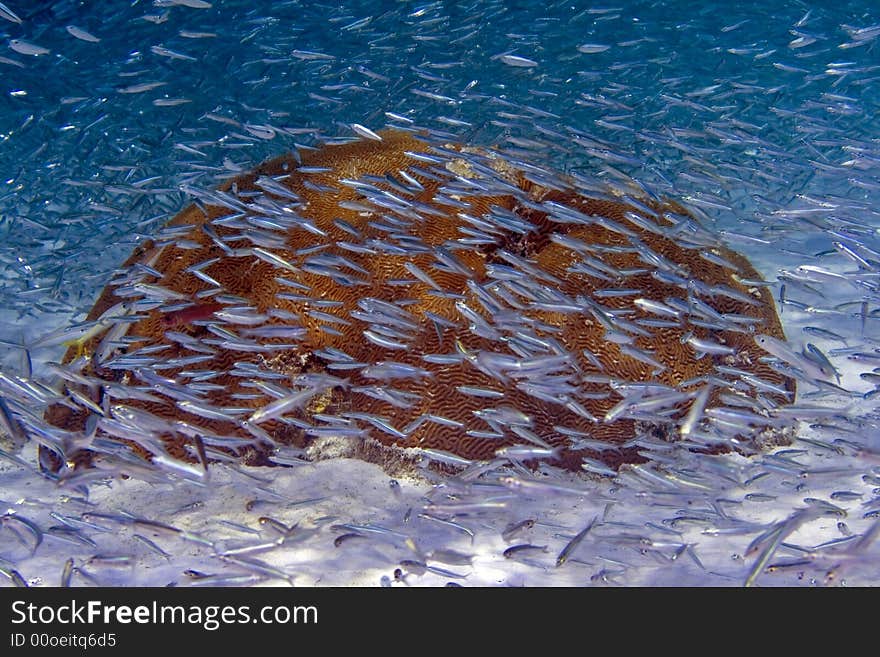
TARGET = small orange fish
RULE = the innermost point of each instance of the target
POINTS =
(190, 314)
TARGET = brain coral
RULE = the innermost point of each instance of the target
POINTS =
(422, 295)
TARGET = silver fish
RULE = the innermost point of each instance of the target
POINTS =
(8, 14)
(27, 48)
(81, 34)
(574, 543)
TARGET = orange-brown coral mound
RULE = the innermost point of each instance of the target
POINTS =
(438, 297)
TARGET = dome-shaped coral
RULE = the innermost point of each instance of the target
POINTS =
(437, 297)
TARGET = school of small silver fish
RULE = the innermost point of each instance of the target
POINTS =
(743, 140)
